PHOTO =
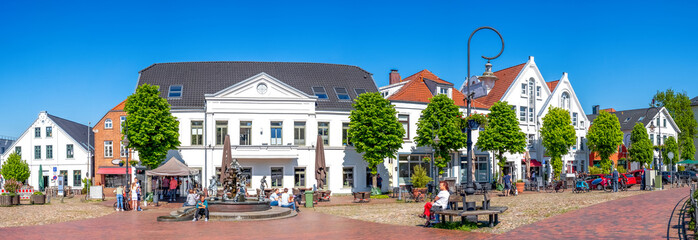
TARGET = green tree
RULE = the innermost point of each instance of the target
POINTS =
(443, 118)
(604, 137)
(558, 136)
(374, 130)
(503, 134)
(15, 168)
(151, 128)
(679, 107)
(670, 145)
(640, 145)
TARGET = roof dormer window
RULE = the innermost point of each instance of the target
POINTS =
(175, 91)
(342, 93)
(443, 90)
(359, 91)
(320, 92)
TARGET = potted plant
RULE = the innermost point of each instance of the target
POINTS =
(5, 200)
(419, 180)
(38, 198)
(520, 185)
(11, 186)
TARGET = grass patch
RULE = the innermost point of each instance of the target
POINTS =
(382, 196)
(468, 226)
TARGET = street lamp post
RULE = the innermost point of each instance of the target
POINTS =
(125, 142)
(435, 169)
(487, 75)
(658, 163)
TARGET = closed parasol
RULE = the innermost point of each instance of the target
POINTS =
(320, 167)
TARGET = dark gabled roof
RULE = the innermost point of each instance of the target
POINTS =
(5, 144)
(200, 78)
(694, 101)
(75, 130)
(628, 118)
(173, 154)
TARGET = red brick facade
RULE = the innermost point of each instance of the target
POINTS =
(105, 132)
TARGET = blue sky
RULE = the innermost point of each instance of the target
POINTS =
(77, 59)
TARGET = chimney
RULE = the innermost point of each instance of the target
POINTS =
(394, 76)
(595, 109)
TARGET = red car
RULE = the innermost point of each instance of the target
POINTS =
(638, 175)
(599, 185)
(629, 179)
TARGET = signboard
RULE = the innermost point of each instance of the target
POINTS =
(115, 161)
(55, 169)
(60, 185)
(95, 192)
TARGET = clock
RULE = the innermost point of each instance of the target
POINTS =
(262, 88)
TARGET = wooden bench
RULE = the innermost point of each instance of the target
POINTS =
(492, 212)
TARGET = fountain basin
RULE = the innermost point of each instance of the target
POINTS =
(230, 206)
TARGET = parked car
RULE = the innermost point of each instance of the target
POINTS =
(666, 177)
(630, 179)
(688, 174)
(596, 181)
(638, 175)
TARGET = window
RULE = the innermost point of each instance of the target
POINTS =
(348, 177)
(247, 172)
(574, 147)
(123, 152)
(574, 119)
(323, 129)
(277, 177)
(405, 121)
(657, 121)
(320, 92)
(299, 133)
(37, 152)
(360, 91)
(530, 114)
(77, 178)
(299, 177)
(245, 133)
(276, 133)
(175, 91)
(665, 122)
(18, 151)
(107, 124)
(114, 180)
(345, 135)
(523, 89)
(581, 123)
(342, 93)
(197, 133)
(221, 131)
(522, 113)
(531, 141)
(49, 131)
(64, 173)
(530, 87)
(369, 178)
(538, 91)
(565, 101)
(407, 163)
(652, 138)
(443, 90)
(37, 132)
(641, 118)
(69, 151)
(581, 143)
(122, 119)
(108, 149)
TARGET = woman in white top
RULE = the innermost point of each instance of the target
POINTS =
(134, 195)
(440, 201)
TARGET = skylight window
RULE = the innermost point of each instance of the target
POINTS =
(641, 118)
(626, 120)
(175, 91)
(359, 91)
(320, 92)
(342, 93)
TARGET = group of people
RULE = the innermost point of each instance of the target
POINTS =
(284, 200)
(134, 190)
(169, 188)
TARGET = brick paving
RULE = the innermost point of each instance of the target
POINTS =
(644, 216)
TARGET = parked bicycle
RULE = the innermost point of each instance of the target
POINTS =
(556, 186)
(127, 205)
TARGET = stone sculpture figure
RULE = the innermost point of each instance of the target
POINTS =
(213, 187)
(262, 186)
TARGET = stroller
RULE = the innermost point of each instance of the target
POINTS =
(581, 186)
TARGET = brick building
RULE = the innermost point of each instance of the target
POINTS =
(108, 148)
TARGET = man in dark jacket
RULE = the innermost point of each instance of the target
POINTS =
(615, 180)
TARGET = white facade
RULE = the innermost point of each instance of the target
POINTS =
(51, 151)
(263, 100)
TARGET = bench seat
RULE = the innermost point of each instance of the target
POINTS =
(492, 212)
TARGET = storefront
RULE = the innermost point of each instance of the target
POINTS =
(482, 166)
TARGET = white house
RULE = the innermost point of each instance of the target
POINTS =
(273, 112)
(59, 146)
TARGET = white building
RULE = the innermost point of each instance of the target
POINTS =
(273, 112)
(59, 146)
(657, 121)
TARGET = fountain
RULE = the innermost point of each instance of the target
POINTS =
(232, 204)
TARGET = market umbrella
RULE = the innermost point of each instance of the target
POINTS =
(227, 158)
(320, 167)
(688, 161)
(527, 157)
(41, 178)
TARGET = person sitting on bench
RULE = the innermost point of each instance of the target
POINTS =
(440, 201)
(201, 208)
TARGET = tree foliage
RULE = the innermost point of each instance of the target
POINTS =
(604, 137)
(679, 107)
(151, 128)
(640, 145)
(443, 118)
(375, 130)
(558, 136)
(15, 168)
(503, 134)
(670, 145)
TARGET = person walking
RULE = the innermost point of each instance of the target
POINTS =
(379, 180)
(119, 198)
(507, 184)
(615, 180)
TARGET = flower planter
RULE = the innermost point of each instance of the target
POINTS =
(5, 201)
(520, 187)
(15, 200)
(417, 191)
(38, 199)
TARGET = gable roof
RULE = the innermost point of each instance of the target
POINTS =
(506, 78)
(77, 131)
(694, 101)
(552, 85)
(628, 118)
(201, 78)
(416, 90)
(120, 106)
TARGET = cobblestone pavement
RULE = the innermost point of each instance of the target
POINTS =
(644, 216)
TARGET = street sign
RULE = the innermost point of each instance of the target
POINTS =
(55, 169)
(670, 155)
(116, 161)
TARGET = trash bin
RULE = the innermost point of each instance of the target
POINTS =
(308, 199)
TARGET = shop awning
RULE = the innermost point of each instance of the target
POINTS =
(534, 163)
(113, 170)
